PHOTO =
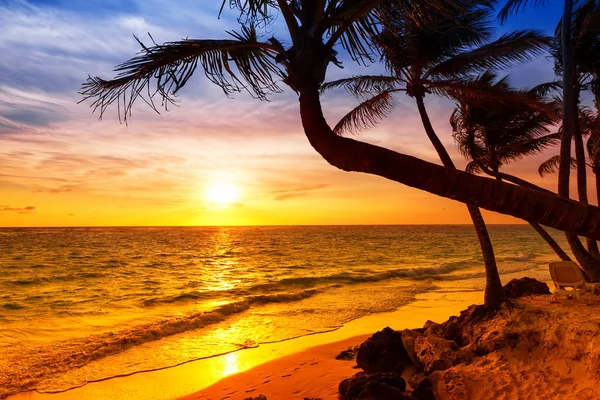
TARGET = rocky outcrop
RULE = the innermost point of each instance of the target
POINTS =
(531, 349)
(383, 352)
(525, 286)
(363, 386)
(348, 354)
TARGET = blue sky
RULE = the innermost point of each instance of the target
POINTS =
(56, 156)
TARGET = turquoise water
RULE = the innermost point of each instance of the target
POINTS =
(84, 304)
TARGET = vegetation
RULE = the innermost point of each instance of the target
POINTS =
(364, 29)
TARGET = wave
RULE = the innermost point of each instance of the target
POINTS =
(79, 352)
(283, 286)
(520, 257)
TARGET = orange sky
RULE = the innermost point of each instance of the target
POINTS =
(61, 166)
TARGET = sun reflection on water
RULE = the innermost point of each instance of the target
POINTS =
(231, 364)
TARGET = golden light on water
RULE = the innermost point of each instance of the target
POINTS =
(231, 364)
(222, 194)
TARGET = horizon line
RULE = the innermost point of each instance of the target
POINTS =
(241, 226)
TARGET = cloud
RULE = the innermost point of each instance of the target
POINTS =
(22, 210)
(297, 192)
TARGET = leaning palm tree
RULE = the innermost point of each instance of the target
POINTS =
(317, 30)
(584, 42)
(567, 57)
(492, 134)
(439, 55)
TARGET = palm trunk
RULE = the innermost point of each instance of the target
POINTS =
(541, 231)
(592, 246)
(494, 293)
(585, 259)
(530, 205)
(568, 102)
(551, 242)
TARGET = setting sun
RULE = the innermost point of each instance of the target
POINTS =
(222, 194)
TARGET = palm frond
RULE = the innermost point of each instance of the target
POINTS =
(253, 11)
(543, 89)
(526, 146)
(514, 6)
(238, 64)
(509, 49)
(354, 24)
(363, 84)
(473, 168)
(367, 114)
(551, 165)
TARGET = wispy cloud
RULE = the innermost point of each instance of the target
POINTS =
(19, 210)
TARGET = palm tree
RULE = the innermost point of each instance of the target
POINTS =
(491, 134)
(585, 259)
(247, 62)
(584, 42)
(438, 56)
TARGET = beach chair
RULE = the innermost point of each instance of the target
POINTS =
(566, 274)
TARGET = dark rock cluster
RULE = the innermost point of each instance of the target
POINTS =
(422, 354)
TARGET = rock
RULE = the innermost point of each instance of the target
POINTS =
(381, 391)
(415, 379)
(408, 341)
(348, 354)
(352, 388)
(423, 390)
(525, 286)
(449, 385)
(259, 397)
(383, 352)
(435, 353)
(433, 328)
(461, 329)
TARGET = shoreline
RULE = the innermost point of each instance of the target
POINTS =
(193, 378)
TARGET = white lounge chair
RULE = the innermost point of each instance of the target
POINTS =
(566, 274)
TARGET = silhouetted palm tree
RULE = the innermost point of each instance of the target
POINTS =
(585, 259)
(492, 134)
(439, 56)
(247, 62)
(584, 42)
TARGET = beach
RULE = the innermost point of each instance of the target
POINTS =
(297, 368)
(169, 312)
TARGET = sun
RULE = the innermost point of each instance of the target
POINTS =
(222, 194)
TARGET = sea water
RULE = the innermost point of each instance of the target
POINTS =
(85, 304)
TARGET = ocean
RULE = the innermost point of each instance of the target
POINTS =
(85, 304)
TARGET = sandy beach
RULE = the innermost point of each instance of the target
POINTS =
(297, 368)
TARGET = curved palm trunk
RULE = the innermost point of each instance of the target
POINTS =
(494, 293)
(530, 205)
(537, 227)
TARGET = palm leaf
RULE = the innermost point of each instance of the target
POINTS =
(252, 10)
(473, 168)
(507, 50)
(551, 165)
(237, 64)
(367, 114)
(514, 6)
(526, 146)
(363, 84)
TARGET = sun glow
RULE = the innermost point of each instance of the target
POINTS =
(222, 194)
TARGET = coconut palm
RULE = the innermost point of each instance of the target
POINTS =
(439, 56)
(569, 124)
(492, 134)
(246, 61)
(584, 41)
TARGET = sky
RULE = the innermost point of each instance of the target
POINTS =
(62, 166)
